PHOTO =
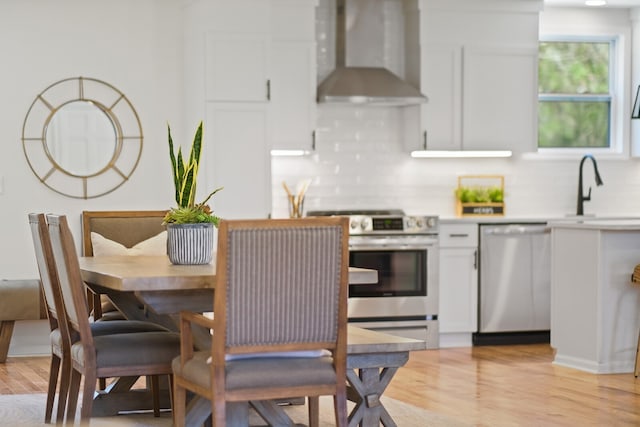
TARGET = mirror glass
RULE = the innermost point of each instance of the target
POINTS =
(81, 138)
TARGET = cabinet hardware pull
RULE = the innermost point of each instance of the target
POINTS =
(458, 235)
(424, 140)
(268, 89)
(475, 260)
(313, 140)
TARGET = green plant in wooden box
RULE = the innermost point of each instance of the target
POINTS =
(480, 195)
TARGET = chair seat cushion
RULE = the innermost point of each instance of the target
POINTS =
(132, 349)
(124, 327)
(108, 328)
(55, 337)
(111, 315)
(260, 372)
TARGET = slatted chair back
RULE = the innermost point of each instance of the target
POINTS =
(281, 285)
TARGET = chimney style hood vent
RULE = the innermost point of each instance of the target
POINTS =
(363, 84)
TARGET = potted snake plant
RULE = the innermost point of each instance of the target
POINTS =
(190, 225)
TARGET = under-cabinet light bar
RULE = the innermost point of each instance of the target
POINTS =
(289, 153)
(595, 2)
(458, 154)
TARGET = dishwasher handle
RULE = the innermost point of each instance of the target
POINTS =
(512, 229)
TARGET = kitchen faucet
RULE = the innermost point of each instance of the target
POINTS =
(581, 197)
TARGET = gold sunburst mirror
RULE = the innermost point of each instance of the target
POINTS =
(82, 137)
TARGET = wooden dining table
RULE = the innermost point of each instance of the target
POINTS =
(165, 289)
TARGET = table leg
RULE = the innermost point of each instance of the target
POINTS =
(199, 409)
(368, 375)
(109, 404)
(272, 413)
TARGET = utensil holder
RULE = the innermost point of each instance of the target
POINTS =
(295, 206)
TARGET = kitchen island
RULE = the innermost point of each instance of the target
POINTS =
(595, 309)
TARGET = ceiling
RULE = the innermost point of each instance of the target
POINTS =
(580, 3)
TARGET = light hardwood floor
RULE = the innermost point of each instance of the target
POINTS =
(484, 386)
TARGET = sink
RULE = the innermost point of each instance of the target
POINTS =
(580, 217)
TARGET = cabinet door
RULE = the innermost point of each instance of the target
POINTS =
(441, 82)
(458, 290)
(293, 95)
(506, 79)
(237, 67)
(236, 157)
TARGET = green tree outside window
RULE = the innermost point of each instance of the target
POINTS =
(574, 109)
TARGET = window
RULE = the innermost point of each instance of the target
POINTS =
(575, 94)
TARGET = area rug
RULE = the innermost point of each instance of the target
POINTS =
(27, 410)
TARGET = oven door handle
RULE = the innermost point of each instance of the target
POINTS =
(392, 246)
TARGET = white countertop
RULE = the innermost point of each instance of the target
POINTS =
(491, 220)
(599, 224)
(587, 221)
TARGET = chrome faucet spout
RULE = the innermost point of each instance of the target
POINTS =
(581, 197)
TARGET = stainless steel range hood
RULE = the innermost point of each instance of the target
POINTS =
(370, 85)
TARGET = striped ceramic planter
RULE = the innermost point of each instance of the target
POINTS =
(190, 243)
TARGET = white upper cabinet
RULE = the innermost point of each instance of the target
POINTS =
(237, 67)
(293, 95)
(506, 78)
(292, 109)
(442, 81)
(477, 55)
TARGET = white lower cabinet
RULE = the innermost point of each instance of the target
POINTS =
(458, 313)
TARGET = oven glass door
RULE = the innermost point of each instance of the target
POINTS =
(401, 272)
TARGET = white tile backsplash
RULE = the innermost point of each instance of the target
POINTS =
(359, 162)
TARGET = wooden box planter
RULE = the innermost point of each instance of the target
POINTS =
(488, 188)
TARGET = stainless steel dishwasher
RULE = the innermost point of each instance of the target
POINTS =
(514, 284)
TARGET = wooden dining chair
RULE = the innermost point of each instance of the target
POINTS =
(147, 353)
(59, 336)
(60, 347)
(127, 228)
(279, 324)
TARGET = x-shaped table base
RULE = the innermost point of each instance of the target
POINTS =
(368, 376)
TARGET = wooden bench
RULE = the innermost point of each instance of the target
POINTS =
(19, 300)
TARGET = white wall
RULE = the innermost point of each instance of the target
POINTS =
(135, 46)
(359, 162)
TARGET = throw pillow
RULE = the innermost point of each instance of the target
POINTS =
(156, 245)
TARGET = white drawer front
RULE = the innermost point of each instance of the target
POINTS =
(458, 235)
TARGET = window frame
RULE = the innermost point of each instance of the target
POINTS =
(618, 81)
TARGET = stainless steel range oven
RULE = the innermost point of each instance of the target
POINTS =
(404, 251)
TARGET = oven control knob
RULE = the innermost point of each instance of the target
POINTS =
(353, 224)
(431, 222)
(365, 224)
(411, 222)
(420, 223)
